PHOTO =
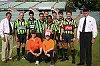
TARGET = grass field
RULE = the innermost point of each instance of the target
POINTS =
(95, 57)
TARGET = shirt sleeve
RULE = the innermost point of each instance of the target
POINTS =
(1, 29)
(75, 24)
(78, 30)
(27, 24)
(94, 31)
(15, 25)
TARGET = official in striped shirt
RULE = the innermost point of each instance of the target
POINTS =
(69, 35)
(21, 27)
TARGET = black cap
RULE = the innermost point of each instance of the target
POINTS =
(34, 31)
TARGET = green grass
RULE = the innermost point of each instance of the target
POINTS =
(95, 57)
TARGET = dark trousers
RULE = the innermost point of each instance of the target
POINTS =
(31, 58)
(86, 47)
(51, 58)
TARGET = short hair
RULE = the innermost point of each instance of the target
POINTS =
(69, 12)
(41, 14)
(8, 13)
(49, 16)
(54, 12)
(31, 12)
(60, 12)
(21, 12)
(34, 31)
(85, 10)
(45, 11)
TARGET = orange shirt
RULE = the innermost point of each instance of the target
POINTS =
(48, 44)
(34, 44)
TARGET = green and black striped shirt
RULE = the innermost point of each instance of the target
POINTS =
(58, 25)
(69, 26)
(40, 26)
(21, 27)
(32, 24)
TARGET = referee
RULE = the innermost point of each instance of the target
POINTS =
(69, 36)
(21, 27)
(86, 34)
(32, 23)
(40, 26)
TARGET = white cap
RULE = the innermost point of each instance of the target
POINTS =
(47, 33)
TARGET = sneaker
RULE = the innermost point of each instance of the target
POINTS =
(52, 65)
(5, 61)
(37, 63)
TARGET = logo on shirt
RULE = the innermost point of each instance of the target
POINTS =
(68, 27)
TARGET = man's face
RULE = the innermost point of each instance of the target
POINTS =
(54, 15)
(8, 16)
(85, 14)
(31, 15)
(41, 17)
(47, 37)
(49, 19)
(46, 14)
(21, 15)
(69, 15)
(33, 35)
(60, 16)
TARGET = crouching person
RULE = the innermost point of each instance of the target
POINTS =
(48, 47)
(34, 49)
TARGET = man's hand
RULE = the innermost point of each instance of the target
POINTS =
(27, 37)
(38, 54)
(60, 37)
(48, 55)
(45, 52)
(35, 54)
(16, 38)
(93, 40)
(74, 39)
(78, 39)
(4, 39)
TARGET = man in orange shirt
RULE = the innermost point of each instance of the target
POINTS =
(34, 48)
(48, 47)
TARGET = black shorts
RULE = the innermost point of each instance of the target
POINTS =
(21, 38)
(67, 37)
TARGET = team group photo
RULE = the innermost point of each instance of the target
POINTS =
(49, 33)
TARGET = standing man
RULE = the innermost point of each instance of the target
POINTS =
(58, 34)
(69, 35)
(40, 26)
(86, 34)
(32, 23)
(21, 27)
(6, 32)
(50, 26)
(45, 15)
